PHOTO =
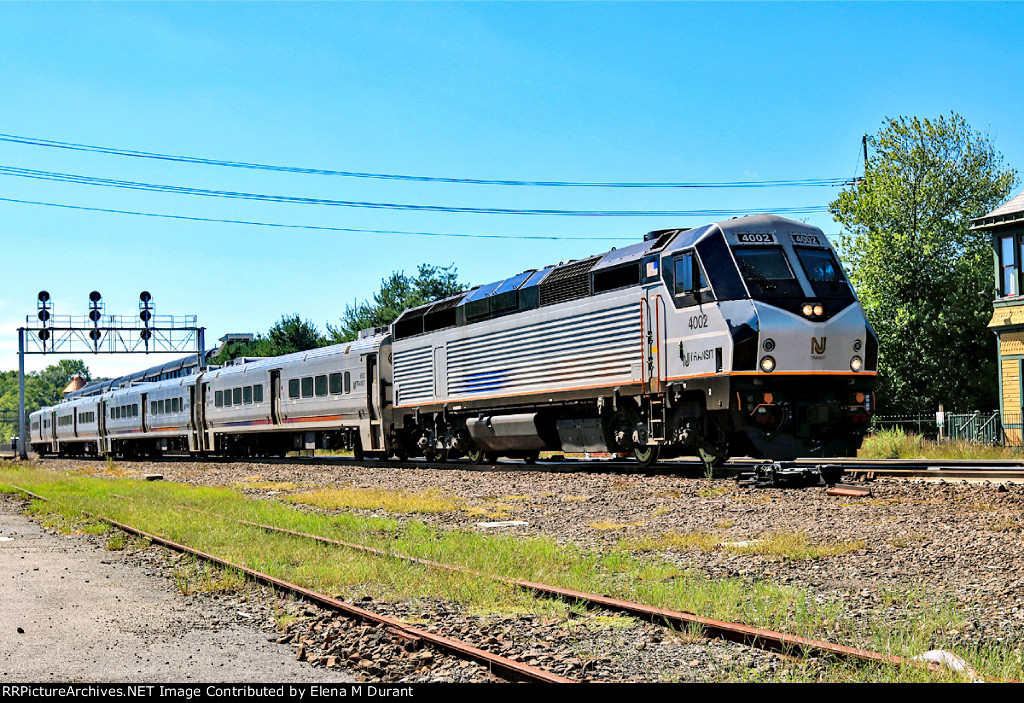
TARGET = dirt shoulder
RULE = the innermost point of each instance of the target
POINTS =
(73, 612)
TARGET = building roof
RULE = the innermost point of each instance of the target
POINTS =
(76, 384)
(1010, 211)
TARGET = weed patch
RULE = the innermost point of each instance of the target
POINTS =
(898, 444)
(431, 501)
(793, 546)
(609, 525)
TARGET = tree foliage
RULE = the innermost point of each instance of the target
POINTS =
(42, 388)
(918, 267)
(288, 335)
(397, 293)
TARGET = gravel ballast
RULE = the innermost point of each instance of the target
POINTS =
(954, 543)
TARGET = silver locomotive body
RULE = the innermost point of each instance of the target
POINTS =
(737, 337)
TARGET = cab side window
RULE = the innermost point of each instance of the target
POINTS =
(690, 285)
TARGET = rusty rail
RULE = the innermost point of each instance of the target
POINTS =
(737, 632)
(502, 666)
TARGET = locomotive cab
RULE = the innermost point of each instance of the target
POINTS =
(806, 390)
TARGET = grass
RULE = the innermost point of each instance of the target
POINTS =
(270, 485)
(897, 444)
(431, 501)
(794, 546)
(712, 491)
(609, 525)
(163, 508)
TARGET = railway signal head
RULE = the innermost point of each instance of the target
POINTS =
(145, 307)
(95, 297)
(43, 296)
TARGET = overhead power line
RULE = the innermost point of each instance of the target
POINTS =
(798, 182)
(186, 190)
(314, 227)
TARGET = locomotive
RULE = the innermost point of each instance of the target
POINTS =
(742, 337)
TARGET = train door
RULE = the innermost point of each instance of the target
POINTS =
(192, 424)
(53, 432)
(144, 401)
(653, 321)
(275, 397)
(373, 402)
(101, 427)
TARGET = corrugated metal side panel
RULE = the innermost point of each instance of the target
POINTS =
(414, 375)
(582, 350)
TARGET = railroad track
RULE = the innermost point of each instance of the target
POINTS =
(855, 469)
(506, 668)
(499, 665)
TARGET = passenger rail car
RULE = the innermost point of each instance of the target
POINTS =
(740, 337)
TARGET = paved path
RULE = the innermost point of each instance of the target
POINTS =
(71, 612)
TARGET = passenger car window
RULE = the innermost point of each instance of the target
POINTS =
(335, 383)
(257, 393)
(247, 395)
(321, 385)
(218, 399)
(307, 387)
(293, 388)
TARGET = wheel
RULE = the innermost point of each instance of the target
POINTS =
(646, 456)
(713, 458)
(475, 456)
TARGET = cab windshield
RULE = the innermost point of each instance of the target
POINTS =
(767, 273)
(824, 273)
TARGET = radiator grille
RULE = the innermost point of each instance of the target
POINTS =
(414, 375)
(568, 282)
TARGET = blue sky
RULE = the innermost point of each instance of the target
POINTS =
(697, 92)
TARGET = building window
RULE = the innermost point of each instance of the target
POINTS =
(1008, 266)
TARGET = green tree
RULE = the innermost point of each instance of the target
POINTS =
(918, 267)
(42, 388)
(288, 335)
(397, 293)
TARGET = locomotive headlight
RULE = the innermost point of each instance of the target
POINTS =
(807, 309)
(767, 364)
(856, 363)
(819, 310)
